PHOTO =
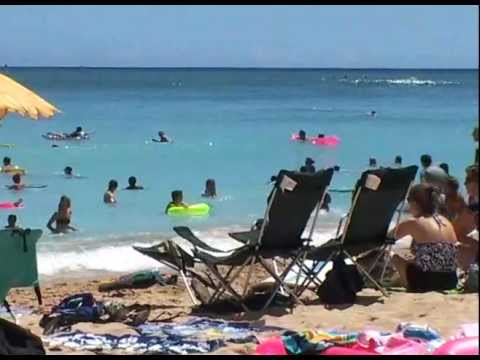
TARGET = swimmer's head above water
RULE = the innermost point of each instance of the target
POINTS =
(112, 185)
(426, 160)
(398, 160)
(177, 196)
(210, 188)
(68, 171)
(302, 135)
(17, 179)
(372, 162)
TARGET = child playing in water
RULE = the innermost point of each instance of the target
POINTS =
(177, 200)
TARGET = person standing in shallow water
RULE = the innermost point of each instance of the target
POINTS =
(62, 217)
(109, 196)
(210, 189)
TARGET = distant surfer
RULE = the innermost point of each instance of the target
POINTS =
(373, 113)
(162, 138)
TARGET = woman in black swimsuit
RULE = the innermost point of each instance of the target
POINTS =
(433, 244)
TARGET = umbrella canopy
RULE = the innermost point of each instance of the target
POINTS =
(17, 98)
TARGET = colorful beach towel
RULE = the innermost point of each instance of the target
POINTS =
(316, 341)
(196, 335)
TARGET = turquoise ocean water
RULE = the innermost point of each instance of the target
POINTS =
(230, 125)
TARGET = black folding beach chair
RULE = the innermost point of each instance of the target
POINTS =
(378, 195)
(178, 258)
(293, 199)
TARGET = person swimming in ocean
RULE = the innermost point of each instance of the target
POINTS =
(68, 172)
(373, 113)
(372, 163)
(210, 189)
(12, 223)
(426, 162)
(445, 167)
(162, 138)
(302, 135)
(398, 161)
(8, 167)
(309, 167)
(177, 200)
(326, 202)
(77, 133)
(17, 183)
(132, 184)
(109, 196)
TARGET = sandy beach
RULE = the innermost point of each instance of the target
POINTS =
(171, 304)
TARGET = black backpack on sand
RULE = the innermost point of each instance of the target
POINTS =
(342, 283)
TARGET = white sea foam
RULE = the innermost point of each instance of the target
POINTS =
(410, 81)
(123, 258)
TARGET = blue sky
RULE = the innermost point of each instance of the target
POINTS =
(240, 36)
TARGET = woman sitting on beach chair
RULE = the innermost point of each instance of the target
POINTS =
(433, 244)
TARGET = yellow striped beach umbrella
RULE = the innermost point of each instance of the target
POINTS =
(17, 98)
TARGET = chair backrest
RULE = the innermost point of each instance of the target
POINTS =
(18, 259)
(292, 200)
(373, 209)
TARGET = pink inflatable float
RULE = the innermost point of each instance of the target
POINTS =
(272, 346)
(8, 205)
(464, 346)
(395, 346)
(327, 140)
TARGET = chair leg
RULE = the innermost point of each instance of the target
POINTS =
(228, 287)
(187, 285)
(218, 289)
(377, 259)
(387, 260)
(247, 281)
(275, 268)
(368, 276)
(7, 307)
(311, 275)
(279, 281)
